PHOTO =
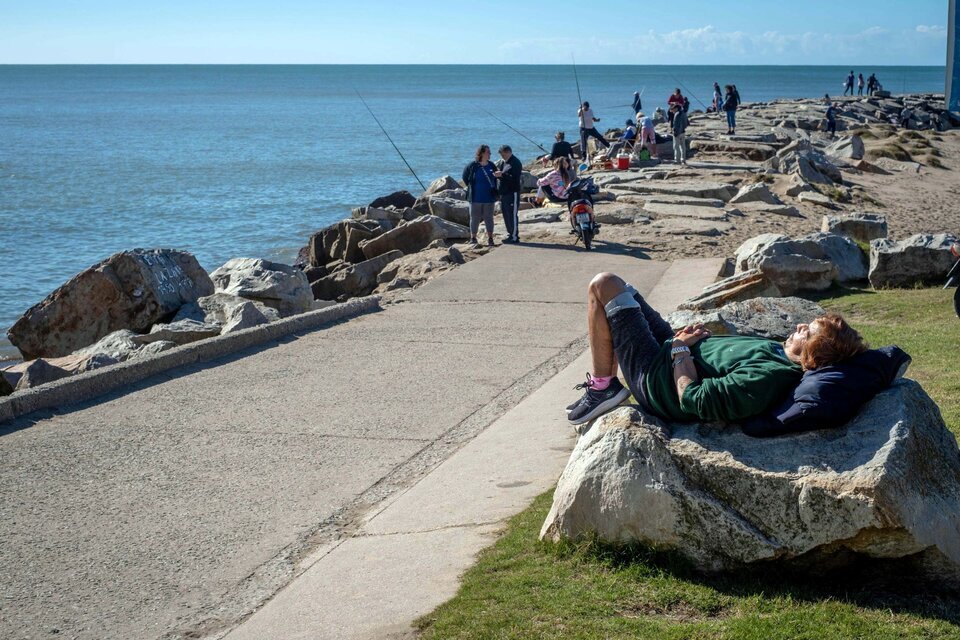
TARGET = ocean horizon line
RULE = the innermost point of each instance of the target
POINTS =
(451, 64)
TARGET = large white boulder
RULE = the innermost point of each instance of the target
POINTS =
(758, 192)
(922, 258)
(846, 148)
(129, 290)
(441, 184)
(859, 226)
(773, 318)
(886, 485)
(810, 263)
(276, 285)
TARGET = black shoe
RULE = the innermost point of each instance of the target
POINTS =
(596, 403)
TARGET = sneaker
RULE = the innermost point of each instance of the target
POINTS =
(596, 403)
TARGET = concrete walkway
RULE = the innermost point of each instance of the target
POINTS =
(178, 507)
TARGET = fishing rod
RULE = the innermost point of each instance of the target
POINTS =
(618, 106)
(391, 140)
(577, 78)
(689, 93)
(514, 130)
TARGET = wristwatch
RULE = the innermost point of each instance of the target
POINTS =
(675, 351)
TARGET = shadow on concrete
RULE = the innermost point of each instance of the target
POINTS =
(599, 246)
(29, 420)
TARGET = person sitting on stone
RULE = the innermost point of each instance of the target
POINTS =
(554, 185)
(626, 141)
(560, 149)
(689, 375)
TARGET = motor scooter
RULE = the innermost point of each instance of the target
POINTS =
(580, 206)
(953, 279)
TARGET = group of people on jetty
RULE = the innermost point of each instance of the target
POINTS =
(488, 182)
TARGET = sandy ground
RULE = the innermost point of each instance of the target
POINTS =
(927, 201)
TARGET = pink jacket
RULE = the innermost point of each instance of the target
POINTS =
(556, 184)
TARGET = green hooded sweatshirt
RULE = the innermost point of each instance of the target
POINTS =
(740, 377)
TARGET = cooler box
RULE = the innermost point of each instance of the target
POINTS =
(623, 162)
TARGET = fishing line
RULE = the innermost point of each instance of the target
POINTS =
(390, 139)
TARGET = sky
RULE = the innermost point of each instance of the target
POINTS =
(808, 32)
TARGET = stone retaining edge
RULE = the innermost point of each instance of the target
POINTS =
(91, 384)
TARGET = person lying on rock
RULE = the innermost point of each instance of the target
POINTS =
(689, 375)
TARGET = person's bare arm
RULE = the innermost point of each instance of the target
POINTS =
(684, 370)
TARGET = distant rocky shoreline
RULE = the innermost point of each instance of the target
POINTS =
(767, 181)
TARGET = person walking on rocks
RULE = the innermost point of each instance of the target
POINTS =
(849, 85)
(831, 115)
(509, 174)
(481, 192)
(678, 124)
(717, 100)
(860, 84)
(588, 129)
(730, 104)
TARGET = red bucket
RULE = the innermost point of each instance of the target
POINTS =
(623, 162)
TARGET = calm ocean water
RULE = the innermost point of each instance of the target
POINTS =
(229, 161)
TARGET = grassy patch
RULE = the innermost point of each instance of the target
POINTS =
(837, 194)
(889, 150)
(524, 589)
(922, 323)
(869, 199)
(933, 161)
(911, 135)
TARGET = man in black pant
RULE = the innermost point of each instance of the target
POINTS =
(589, 130)
(509, 174)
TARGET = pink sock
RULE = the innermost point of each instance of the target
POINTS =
(598, 383)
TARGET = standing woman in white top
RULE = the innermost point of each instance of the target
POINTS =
(588, 129)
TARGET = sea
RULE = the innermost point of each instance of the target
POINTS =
(248, 161)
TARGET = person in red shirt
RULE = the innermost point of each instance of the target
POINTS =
(675, 99)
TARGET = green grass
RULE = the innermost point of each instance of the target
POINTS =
(920, 321)
(523, 588)
(836, 194)
(889, 150)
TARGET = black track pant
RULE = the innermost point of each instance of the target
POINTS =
(510, 208)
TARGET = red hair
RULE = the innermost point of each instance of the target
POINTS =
(834, 342)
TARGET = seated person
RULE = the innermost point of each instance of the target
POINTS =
(627, 138)
(689, 376)
(560, 149)
(554, 185)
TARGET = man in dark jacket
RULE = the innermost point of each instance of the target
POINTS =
(678, 126)
(509, 175)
